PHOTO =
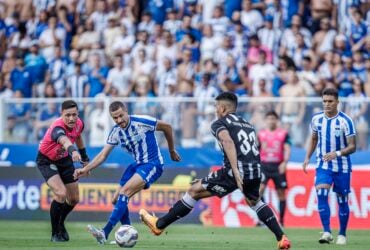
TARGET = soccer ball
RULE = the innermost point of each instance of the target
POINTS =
(126, 236)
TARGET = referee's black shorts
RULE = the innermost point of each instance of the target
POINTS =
(64, 167)
(271, 171)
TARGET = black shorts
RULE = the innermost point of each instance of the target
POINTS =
(221, 183)
(271, 171)
(64, 167)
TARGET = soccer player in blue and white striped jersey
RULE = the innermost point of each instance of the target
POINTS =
(135, 134)
(334, 138)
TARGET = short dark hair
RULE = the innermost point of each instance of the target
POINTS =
(116, 105)
(229, 97)
(69, 104)
(330, 91)
(272, 113)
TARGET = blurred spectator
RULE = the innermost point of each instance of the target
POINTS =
(219, 22)
(77, 83)
(97, 75)
(289, 9)
(87, 40)
(44, 118)
(307, 76)
(357, 108)
(18, 126)
(166, 48)
(119, 77)
(111, 34)
(142, 90)
(170, 109)
(99, 123)
(261, 70)
(250, 17)
(42, 5)
(260, 107)
(288, 40)
(254, 51)
(186, 28)
(56, 72)
(38, 25)
(21, 80)
(209, 42)
(186, 69)
(143, 65)
(158, 10)
(172, 24)
(37, 66)
(204, 93)
(5, 88)
(270, 36)
(320, 10)
(123, 44)
(358, 29)
(345, 77)
(207, 7)
(239, 36)
(166, 77)
(100, 16)
(323, 38)
(292, 113)
(66, 21)
(237, 80)
(146, 23)
(9, 62)
(50, 38)
(143, 43)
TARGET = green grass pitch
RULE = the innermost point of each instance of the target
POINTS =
(35, 235)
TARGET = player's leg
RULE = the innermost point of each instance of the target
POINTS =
(323, 182)
(72, 199)
(342, 188)
(264, 212)
(120, 211)
(281, 185)
(265, 177)
(50, 173)
(216, 183)
(66, 170)
(56, 208)
(184, 206)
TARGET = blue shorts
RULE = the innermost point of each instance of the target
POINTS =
(341, 181)
(150, 172)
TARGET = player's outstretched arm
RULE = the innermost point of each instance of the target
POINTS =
(312, 143)
(82, 150)
(68, 146)
(167, 130)
(99, 159)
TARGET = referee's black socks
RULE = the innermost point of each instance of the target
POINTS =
(180, 209)
(66, 210)
(266, 215)
(56, 209)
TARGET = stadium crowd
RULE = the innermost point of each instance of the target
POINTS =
(191, 48)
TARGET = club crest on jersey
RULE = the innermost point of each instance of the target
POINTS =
(337, 131)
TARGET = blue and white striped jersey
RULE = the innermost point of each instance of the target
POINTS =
(138, 138)
(332, 136)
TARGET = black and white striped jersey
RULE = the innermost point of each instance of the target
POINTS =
(245, 140)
